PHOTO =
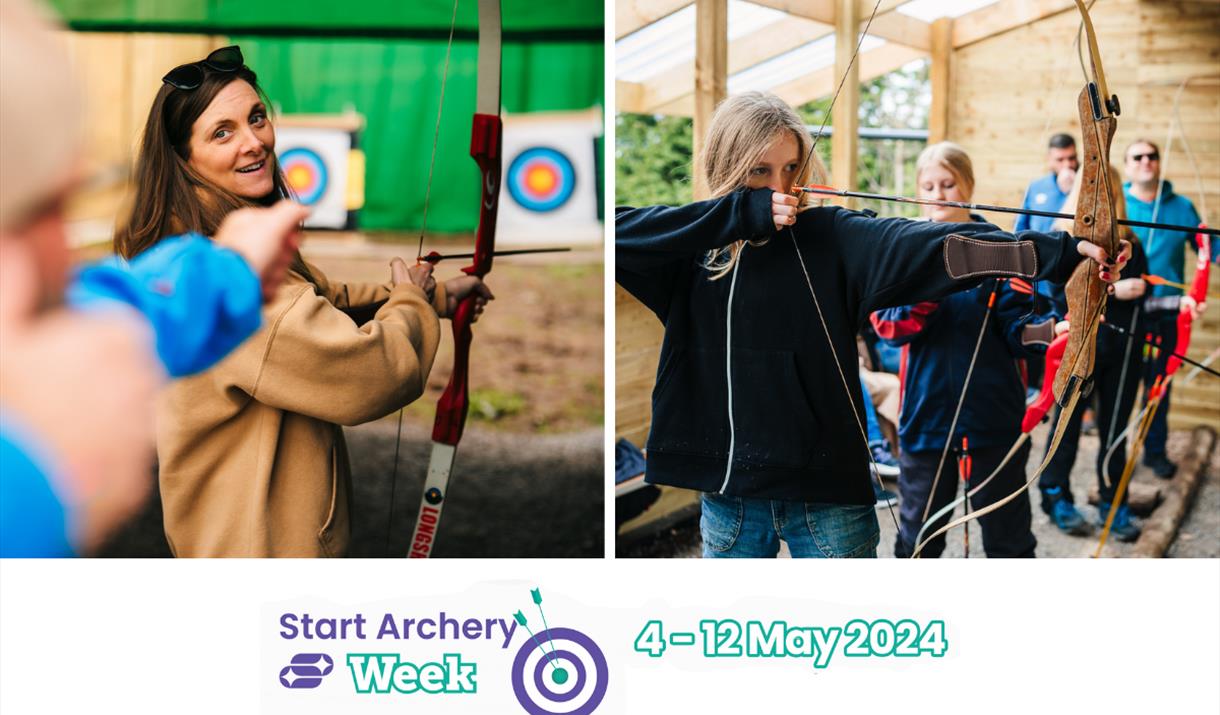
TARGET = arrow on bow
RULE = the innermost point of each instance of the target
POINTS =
(832, 191)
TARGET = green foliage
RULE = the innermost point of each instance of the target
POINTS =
(490, 405)
(653, 153)
(652, 160)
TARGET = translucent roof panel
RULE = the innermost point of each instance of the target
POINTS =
(929, 10)
(670, 41)
(796, 63)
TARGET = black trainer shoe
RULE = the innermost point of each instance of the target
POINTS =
(1161, 466)
(885, 498)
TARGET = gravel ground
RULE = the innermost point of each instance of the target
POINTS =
(511, 495)
(1199, 535)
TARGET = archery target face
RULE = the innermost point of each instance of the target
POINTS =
(317, 163)
(550, 179)
(541, 179)
(560, 671)
(306, 174)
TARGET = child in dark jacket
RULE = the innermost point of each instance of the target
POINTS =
(756, 401)
(963, 394)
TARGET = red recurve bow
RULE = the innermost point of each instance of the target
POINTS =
(485, 140)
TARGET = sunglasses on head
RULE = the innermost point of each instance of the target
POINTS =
(1150, 156)
(189, 76)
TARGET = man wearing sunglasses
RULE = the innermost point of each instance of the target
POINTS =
(1149, 198)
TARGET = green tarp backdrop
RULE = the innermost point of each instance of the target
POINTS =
(385, 59)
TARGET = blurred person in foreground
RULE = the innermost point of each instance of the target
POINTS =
(81, 359)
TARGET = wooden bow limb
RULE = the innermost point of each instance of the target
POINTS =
(1157, 393)
(1085, 292)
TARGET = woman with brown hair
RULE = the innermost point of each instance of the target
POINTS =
(252, 456)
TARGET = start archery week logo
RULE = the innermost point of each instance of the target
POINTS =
(553, 671)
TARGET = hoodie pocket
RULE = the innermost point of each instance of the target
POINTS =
(690, 405)
(774, 422)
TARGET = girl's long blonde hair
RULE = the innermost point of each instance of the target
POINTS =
(742, 129)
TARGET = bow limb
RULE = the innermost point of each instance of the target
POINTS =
(1198, 291)
(454, 404)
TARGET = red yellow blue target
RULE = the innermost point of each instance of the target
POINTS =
(541, 179)
(306, 174)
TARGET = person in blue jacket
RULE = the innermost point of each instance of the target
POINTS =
(78, 373)
(1047, 193)
(963, 392)
(1149, 198)
(762, 295)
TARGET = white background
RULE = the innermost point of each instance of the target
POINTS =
(200, 637)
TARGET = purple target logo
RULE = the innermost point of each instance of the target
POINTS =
(560, 671)
(306, 671)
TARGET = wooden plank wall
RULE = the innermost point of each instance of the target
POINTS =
(637, 350)
(1012, 91)
(121, 74)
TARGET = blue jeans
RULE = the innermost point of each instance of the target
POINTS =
(741, 527)
(870, 418)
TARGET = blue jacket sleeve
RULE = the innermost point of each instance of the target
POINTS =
(902, 324)
(32, 519)
(201, 300)
(1014, 312)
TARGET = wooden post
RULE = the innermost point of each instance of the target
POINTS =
(711, 74)
(846, 112)
(942, 51)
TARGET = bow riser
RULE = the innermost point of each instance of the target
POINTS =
(454, 404)
(1198, 291)
(1095, 222)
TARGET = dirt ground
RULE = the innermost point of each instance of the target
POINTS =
(529, 473)
(537, 357)
(1199, 535)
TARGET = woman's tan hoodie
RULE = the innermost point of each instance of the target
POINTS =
(252, 457)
